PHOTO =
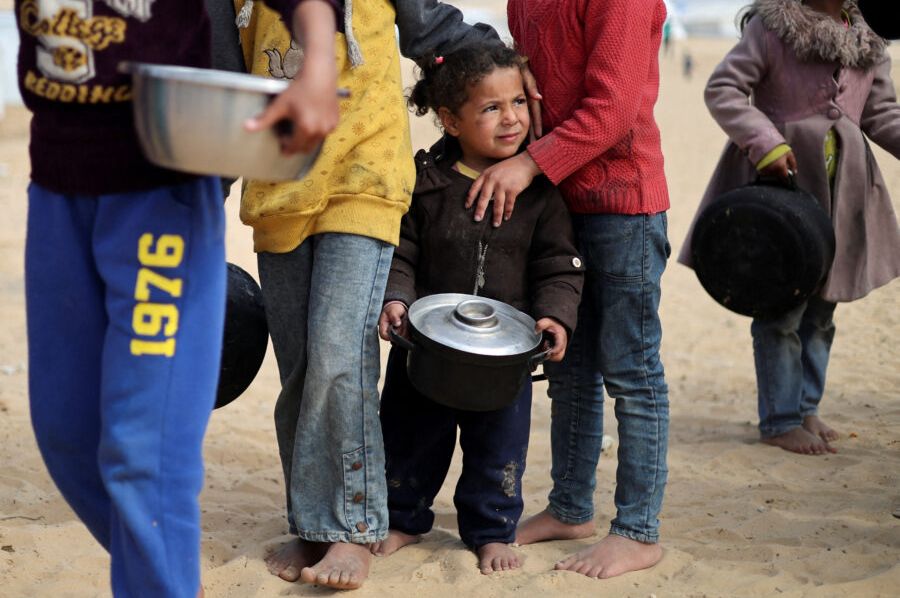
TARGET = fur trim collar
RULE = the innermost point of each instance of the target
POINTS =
(814, 36)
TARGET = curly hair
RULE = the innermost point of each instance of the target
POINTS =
(445, 81)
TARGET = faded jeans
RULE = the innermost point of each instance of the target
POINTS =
(616, 345)
(322, 302)
(791, 354)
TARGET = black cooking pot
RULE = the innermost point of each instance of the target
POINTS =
(883, 16)
(246, 336)
(763, 249)
(469, 352)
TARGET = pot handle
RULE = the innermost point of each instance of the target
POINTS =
(401, 342)
(539, 358)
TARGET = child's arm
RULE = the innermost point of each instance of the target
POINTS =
(401, 284)
(432, 26)
(881, 116)
(555, 270)
(730, 87)
(311, 100)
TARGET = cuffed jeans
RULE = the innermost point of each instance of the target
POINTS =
(322, 302)
(791, 355)
(616, 344)
(420, 437)
(125, 303)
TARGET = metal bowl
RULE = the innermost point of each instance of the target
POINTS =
(192, 120)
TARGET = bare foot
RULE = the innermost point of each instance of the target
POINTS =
(345, 566)
(815, 426)
(800, 441)
(497, 556)
(293, 556)
(394, 542)
(545, 526)
(612, 556)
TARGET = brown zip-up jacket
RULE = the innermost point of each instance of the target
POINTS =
(530, 262)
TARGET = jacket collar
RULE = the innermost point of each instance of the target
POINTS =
(814, 36)
(433, 166)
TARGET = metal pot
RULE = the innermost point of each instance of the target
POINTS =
(192, 120)
(470, 352)
(245, 338)
(763, 249)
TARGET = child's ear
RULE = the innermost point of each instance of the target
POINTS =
(448, 121)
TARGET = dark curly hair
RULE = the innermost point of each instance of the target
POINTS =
(445, 81)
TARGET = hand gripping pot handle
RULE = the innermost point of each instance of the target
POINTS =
(401, 342)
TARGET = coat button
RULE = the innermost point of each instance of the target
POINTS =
(834, 113)
(576, 262)
(356, 466)
(359, 497)
(361, 527)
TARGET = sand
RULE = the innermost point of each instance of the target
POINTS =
(740, 518)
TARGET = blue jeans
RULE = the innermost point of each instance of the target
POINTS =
(125, 303)
(322, 302)
(616, 344)
(791, 355)
(419, 439)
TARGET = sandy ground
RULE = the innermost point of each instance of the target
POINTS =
(740, 518)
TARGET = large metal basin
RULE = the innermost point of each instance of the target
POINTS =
(192, 120)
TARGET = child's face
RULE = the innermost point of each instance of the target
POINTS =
(494, 121)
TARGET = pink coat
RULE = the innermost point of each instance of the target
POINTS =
(826, 77)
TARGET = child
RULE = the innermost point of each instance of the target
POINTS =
(324, 249)
(530, 263)
(820, 83)
(125, 278)
(597, 66)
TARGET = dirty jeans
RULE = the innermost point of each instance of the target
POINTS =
(616, 344)
(420, 437)
(791, 354)
(322, 302)
(125, 299)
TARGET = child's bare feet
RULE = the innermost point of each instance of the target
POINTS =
(394, 542)
(815, 426)
(293, 556)
(345, 566)
(612, 556)
(544, 526)
(800, 441)
(497, 556)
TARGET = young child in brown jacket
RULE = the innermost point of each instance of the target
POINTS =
(530, 263)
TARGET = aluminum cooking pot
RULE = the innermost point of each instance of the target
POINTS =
(763, 249)
(470, 352)
(246, 336)
(192, 120)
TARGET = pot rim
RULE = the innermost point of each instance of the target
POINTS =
(211, 78)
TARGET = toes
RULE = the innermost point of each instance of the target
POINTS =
(289, 573)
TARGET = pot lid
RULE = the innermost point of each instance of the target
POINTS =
(473, 324)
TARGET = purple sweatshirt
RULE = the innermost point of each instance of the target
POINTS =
(82, 134)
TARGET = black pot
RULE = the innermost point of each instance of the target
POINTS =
(468, 378)
(763, 249)
(246, 336)
(883, 16)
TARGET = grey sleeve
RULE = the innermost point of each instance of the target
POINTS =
(226, 47)
(430, 25)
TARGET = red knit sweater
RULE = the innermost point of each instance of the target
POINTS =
(596, 65)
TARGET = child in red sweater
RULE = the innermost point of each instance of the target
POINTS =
(596, 64)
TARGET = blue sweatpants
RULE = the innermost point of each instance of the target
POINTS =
(125, 307)
(419, 440)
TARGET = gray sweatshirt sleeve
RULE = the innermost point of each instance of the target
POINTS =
(427, 25)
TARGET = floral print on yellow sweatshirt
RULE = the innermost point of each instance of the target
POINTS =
(363, 179)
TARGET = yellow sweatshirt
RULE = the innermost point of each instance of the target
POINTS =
(363, 179)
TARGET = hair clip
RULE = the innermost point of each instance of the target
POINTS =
(438, 60)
